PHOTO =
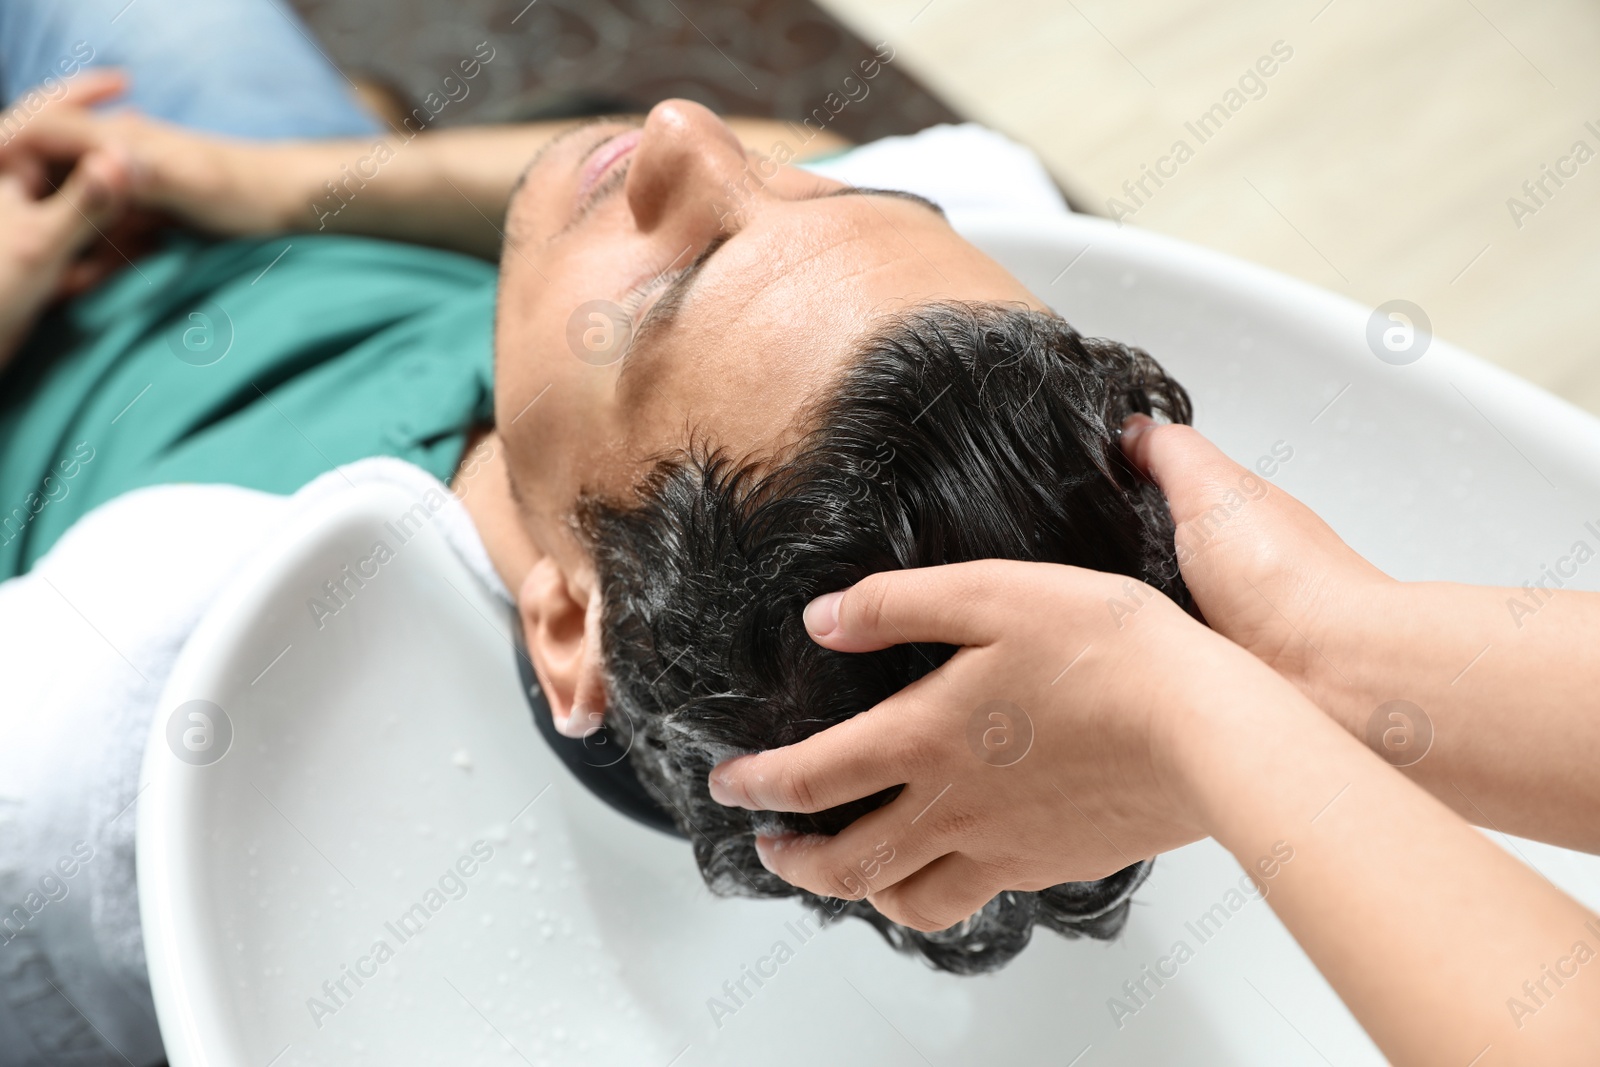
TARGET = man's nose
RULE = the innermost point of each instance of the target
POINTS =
(689, 168)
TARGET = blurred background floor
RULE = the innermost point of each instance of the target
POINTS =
(1376, 161)
(765, 58)
(1379, 158)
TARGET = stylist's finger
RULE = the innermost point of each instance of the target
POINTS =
(954, 604)
(1189, 470)
(942, 894)
(1203, 486)
(871, 854)
(851, 760)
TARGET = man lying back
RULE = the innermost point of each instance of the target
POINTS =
(720, 387)
(819, 382)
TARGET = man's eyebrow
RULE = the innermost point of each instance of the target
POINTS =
(667, 304)
(898, 194)
(544, 149)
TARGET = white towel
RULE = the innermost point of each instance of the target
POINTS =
(87, 639)
(965, 168)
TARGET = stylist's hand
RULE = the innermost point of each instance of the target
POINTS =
(1266, 572)
(1054, 746)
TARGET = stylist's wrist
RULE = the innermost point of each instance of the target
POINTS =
(1244, 717)
(1357, 647)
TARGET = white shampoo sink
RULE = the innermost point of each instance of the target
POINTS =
(390, 866)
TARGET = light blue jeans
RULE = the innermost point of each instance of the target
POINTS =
(247, 68)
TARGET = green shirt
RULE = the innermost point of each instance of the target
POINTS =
(242, 363)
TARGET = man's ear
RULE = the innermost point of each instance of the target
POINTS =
(561, 624)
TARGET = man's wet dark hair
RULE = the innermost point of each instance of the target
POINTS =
(962, 432)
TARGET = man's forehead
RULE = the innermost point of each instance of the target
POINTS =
(769, 326)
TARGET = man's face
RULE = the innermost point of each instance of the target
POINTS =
(744, 287)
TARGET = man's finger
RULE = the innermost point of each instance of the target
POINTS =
(29, 171)
(957, 604)
(85, 274)
(53, 134)
(854, 759)
(94, 86)
(52, 128)
(88, 200)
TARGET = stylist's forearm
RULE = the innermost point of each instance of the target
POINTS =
(1506, 678)
(1508, 684)
(1425, 928)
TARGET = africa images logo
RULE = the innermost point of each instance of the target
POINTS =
(199, 732)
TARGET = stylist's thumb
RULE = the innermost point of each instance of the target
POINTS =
(955, 604)
(1190, 471)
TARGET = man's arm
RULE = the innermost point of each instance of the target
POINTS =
(448, 188)
(451, 188)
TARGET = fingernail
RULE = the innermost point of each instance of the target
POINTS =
(725, 790)
(120, 160)
(768, 847)
(822, 614)
(1134, 427)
